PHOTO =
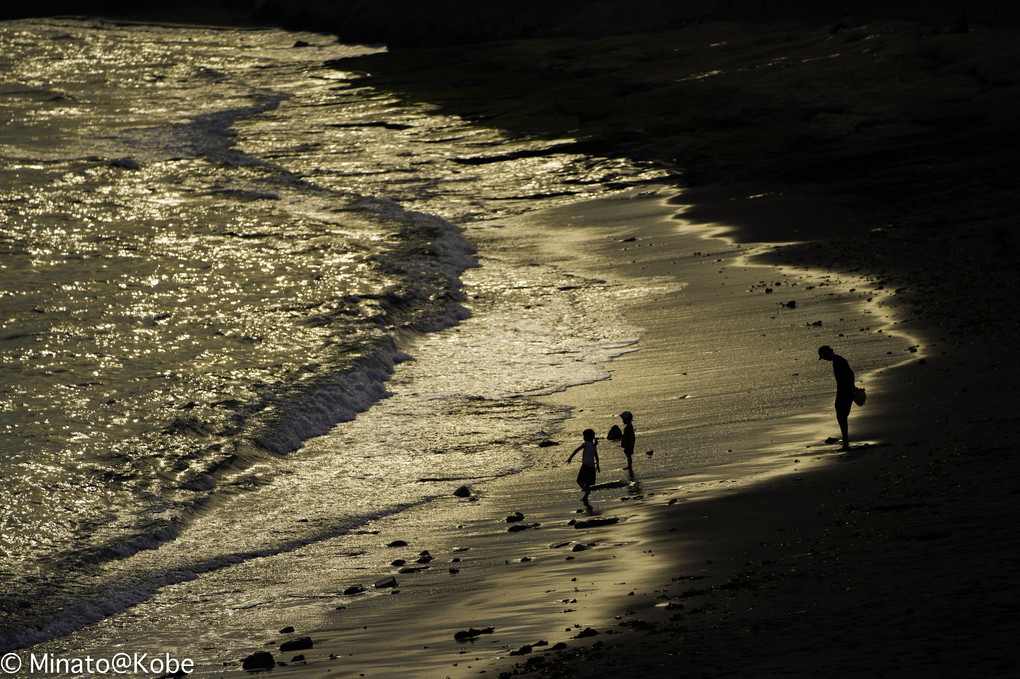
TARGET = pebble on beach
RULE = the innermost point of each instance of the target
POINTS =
(297, 644)
(473, 633)
(260, 660)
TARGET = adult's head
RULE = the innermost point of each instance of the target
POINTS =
(825, 352)
(626, 416)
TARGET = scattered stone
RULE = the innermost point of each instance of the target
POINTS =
(517, 528)
(261, 660)
(301, 43)
(523, 650)
(397, 563)
(397, 543)
(547, 443)
(579, 548)
(463, 491)
(298, 658)
(586, 632)
(407, 570)
(287, 630)
(472, 633)
(516, 516)
(296, 644)
(792, 304)
(386, 582)
(354, 589)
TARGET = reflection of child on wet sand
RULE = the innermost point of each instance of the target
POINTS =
(589, 462)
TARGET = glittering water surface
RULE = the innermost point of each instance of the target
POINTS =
(216, 245)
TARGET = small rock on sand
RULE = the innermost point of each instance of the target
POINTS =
(261, 660)
(296, 644)
(472, 633)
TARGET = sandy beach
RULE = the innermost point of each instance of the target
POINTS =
(797, 559)
(891, 559)
(546, 585)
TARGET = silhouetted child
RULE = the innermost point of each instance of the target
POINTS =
(589, 462)
(627, 439)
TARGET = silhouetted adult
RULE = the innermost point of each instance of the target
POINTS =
(845, 387)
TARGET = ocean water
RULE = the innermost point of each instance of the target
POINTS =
(216, 246)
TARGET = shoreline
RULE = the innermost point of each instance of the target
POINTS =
(856, 560)
(854, 557)
(537, 595)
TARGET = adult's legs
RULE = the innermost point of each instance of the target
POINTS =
(842, 416)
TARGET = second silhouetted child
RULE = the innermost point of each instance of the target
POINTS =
(627, 438)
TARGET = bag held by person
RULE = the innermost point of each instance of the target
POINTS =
(860, 396)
